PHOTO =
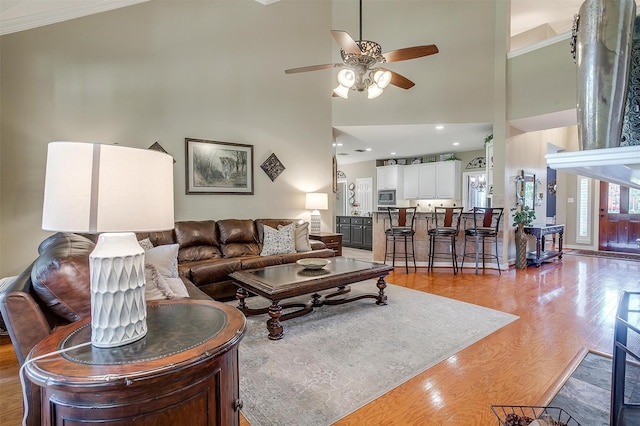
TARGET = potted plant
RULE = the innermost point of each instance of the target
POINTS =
(488, 139)
(522, 216)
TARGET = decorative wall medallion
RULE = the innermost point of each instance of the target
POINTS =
(341, 175)
(477, 163)
(157, 147)
(272, 167)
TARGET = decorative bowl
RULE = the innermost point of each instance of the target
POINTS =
(313, 263)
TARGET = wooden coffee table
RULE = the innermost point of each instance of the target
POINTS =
(280, 282)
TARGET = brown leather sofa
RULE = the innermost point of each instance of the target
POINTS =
(211, 250)
(54, 289)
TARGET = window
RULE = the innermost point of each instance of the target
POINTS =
(474, 190)
(634, 201)
(613, 202)
(583, 231)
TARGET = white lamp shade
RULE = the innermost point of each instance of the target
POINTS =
(317, 201)
(94, 188)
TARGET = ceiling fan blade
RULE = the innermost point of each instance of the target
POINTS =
(400, 81)
(312, 68)
(345, 42)
(410, 53)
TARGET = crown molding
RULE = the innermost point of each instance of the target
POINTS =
(77, 10)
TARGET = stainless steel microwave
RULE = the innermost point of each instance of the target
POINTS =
(387, 197)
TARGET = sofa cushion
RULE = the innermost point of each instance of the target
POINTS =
(206, 272)
(198, 240)
(279, 241)
(302, 237)
(238, 237)
(61, 275)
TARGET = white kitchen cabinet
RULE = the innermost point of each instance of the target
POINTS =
(428, 181)
(420, 181)
(411, 182)
(391, 177)
(448, 180)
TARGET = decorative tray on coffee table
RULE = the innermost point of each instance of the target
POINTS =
(313, 263)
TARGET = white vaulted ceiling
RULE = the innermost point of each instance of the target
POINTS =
(20, 15)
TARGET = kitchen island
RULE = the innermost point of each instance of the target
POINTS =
(425, 221)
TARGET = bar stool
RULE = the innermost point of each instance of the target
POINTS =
(399, 229)
(486, 225)
(447, 221)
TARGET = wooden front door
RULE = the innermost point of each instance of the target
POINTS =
(619, 218)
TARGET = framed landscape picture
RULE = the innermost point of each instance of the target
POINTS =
(218, 167)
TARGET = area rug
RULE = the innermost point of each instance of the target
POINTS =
(586, 394)
(609, 254)
(338, 358)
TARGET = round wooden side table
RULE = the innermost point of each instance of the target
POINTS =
(184, 371)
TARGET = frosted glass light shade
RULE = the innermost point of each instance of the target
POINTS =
(342, 91)
(93, 188)
(346, 77)
(373, 91)
(382, 78)
(110, 189)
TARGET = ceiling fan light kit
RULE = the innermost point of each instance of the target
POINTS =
(358, 68)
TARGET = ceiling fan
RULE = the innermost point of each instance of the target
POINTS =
(359, 68)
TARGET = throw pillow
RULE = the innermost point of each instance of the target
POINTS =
(301, 237)
(159, 286)
(146, 244)
(165, 258)
(280, 241)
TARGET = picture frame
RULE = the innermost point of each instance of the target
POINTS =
(273, 167)
(214, 167)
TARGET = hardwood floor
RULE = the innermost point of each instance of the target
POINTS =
(563, 307)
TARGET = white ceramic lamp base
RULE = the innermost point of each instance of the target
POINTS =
(315, 222)
(118, 305)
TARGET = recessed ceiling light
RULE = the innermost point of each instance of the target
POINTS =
(456, 143)
(392, 153)
(368, 149)
(439, 127)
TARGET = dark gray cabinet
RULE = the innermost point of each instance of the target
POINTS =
(357, 231)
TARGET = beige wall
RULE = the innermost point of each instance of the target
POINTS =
(162, 71)
(166, 70)
(541, 81)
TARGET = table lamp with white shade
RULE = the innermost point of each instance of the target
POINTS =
(316, 201)
(114, 191)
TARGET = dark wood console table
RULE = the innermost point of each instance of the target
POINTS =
(539, 232)
(184, 371)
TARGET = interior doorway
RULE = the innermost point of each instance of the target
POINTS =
(619, 218)
(364, 195)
